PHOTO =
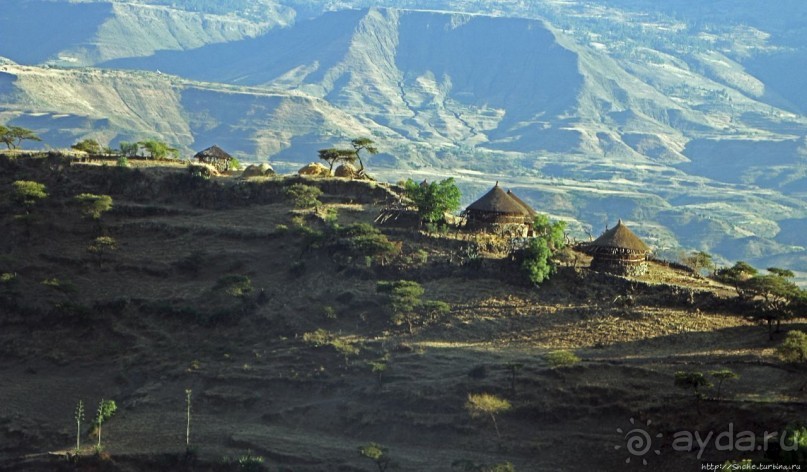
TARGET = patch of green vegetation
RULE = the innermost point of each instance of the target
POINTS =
(561, 358)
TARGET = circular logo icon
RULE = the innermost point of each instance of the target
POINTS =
(638, 442)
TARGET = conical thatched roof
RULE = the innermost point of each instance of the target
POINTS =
(497, 201)
(620, 237)
(521, 202)
(213, 153)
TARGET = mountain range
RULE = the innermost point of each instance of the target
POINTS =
(685, 120)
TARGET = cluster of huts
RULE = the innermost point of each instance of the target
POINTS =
(618, 250)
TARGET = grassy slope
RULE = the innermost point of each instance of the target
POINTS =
(257, 386)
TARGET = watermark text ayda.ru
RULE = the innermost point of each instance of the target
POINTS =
(728, 440)
(640, 444)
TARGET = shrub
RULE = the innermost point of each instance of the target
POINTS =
(561, 358)
(376, 453)
(122, 161)
(234, 285)
(794, 347)
(28, 192)
(318, 338)
(303, 196)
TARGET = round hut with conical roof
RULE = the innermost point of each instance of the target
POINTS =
(497, 211)
(215, 156)
(619, 251)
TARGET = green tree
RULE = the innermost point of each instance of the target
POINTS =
(334, 155)
(101, 246)
(779, 297)
(128, 149)
(537, 257)
(721, 376)
(405, 298)
(553, 233)
(698, 261)
(376, 453)
(158, 149)
(13, 136)
(485, 404)
(27, 193)
(93, 206)
(434, 200)
(366, 145)
(90, 146)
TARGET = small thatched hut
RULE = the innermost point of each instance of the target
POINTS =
(619, 251)
(499, 212)
(216, 157)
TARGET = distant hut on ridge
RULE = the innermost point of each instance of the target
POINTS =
(216, 157)
(498, 212)
(619, 251)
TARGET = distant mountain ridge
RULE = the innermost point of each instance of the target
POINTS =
(678, 139)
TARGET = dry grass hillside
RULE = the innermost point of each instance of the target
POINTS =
(219, 286)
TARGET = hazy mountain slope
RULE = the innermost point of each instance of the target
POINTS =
(92, 32)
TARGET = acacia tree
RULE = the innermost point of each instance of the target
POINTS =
(90, 146)
(736, 275)
(433, 200)
(722, 376)
(366, 145)
(13, 136)
(485, 404)
(780, 298)
(333, 155)
(27, 193)
(158, 149)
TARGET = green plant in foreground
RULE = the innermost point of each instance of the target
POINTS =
(376, 453)
(79, 416)
(561, 358)
(485, 404)
(106, 408)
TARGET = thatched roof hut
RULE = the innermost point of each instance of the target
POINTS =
(619, 251)
(496, 207)
(521, 202)
(216, 157)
